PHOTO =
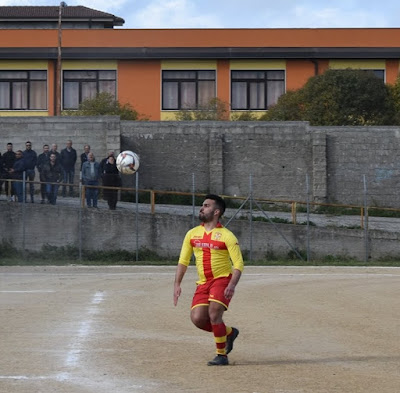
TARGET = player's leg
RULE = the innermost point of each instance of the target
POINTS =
(218, 305)
(231, 335)
(199, 311)
(200, 318)
(216, 311)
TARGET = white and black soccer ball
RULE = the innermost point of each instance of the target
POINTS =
(128, 162)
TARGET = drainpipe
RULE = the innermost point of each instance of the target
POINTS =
(316, 66)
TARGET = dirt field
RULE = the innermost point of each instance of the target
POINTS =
(115, 330)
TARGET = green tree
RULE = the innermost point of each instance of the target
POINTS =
(105, 104)
(290, 107)
(395, 94)
(215, 109)
(245, 116)
(339, 97)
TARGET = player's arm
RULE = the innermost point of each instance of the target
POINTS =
(237, 260)
(230, 289)
(183, 263)
(180, 272)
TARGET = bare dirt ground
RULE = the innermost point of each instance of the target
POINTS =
(114, 330)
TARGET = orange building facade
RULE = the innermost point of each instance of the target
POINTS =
(161, 72)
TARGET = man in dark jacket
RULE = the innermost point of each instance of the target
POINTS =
(84, 155)
(52, 173)
(8, 162)
(30, 158)
(2, 173)
(54, 150)
(111, 178)
(17, 173)
(43, 159)
(68, 160)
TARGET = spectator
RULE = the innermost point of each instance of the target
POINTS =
(104, 160)
(17, 173)
(30, 158)
(84, 155)
(111, 178)
(90, 177)
(68, 160)
(54, 150)
(43, 159)
(52, 174)
(8, 162)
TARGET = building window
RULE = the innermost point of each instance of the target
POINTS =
(378, 73)
(256, 90)
(187, 89)
(23, 90)
(79, 86)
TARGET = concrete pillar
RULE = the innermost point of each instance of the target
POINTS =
(216, 162)
(319, 162)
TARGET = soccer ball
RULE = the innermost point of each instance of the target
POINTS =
(128, 162)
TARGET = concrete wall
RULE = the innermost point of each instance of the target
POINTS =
(58, 226)
(223, 155)
(356, 151)
(278, 156)
(102, 134)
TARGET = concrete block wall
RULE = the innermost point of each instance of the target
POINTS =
(277, 156)
(353, 152)
(225, 157)
(170, 152)
(101, 133)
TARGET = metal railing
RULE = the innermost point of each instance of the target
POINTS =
(291, 208)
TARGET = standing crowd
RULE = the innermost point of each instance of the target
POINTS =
(56, 168)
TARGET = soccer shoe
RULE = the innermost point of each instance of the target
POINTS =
(230, 339)
(219, 360)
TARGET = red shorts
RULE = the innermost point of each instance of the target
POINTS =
(211, 291)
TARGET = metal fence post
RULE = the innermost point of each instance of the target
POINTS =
(193, 199)
(153, 201)
(80, 218)
(23, 211)
(251, 216)
(83, 195)
(137, 216)
(294, 213)
(366, 219)
(308, 216)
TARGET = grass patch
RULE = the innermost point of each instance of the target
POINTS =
(186, 200)
(337, 211)
(68, 255)
(59, 256)
(126, 196)
(379, 212)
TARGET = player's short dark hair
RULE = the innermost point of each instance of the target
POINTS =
(219, 202)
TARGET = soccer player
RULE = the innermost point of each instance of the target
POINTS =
(216, 249)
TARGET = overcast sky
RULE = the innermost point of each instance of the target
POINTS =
(242, 13)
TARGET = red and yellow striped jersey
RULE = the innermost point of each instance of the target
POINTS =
(215, 252)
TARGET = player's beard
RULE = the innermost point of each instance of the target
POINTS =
(203, 217)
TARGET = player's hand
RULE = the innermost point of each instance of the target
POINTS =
(177, 293)
(229, 291)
